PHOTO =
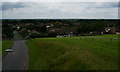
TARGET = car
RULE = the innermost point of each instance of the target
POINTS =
(9, 50)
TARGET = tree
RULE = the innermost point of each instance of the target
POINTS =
(7, 31)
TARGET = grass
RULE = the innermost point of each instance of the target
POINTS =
(0, 48)
(5, 45)
(72, 53)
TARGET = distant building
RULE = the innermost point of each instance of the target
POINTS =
(65, 32)
(117, 32)
(32, 31)
(110, 30)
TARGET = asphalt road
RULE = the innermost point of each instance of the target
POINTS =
(18, 59)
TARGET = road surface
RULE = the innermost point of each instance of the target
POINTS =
(18, 59)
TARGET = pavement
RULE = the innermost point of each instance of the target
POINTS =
(18, 58)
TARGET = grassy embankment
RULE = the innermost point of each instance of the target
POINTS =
(5, 45)
(73, 53)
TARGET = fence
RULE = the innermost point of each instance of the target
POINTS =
(93, 38)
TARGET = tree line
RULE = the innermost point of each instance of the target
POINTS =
(85, 25)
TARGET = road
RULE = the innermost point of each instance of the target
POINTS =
(18, 59)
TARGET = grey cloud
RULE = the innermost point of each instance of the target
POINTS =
(114, 4)
(109, 5)
(11, 5)
(59, 10)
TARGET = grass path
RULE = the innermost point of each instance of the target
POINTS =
(72, 53)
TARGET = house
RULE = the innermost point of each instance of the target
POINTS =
(32, 31)
(65, 32)
(117, 32)
(110, 30)
(77, 24)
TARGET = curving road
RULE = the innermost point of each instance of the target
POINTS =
(18, 59)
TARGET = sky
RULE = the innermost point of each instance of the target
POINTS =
(59, 0)
(59, 9)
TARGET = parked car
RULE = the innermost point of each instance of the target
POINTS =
(9, 50)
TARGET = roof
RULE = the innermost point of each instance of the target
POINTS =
(62, 30)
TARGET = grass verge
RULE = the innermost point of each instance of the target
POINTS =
(5, 45)
(72, 53)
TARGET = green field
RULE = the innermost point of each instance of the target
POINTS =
(5, 45)
(73, 53)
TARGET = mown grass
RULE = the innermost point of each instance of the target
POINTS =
(5, 45)
(72, 53)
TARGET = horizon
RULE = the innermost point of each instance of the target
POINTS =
(60, 19)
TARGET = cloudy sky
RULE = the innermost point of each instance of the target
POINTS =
(56, 10)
